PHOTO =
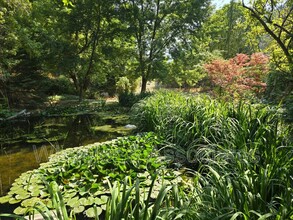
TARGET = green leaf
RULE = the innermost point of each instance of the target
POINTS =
(73, 202)
(84, 201)
(78, 209)
(4, 199)
(22, 196)
(91, 212)
(14, 201)
(102, 200)
(20, 210)
(30, 202)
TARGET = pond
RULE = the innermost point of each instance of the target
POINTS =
(26, 143)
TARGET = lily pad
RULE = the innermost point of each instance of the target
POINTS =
(86, 201)
(22, 196)
(73, 202)
(91, 212)
(20, 210)
(14, 201)
(110, 129)
(30, 202)
(70, 195)
(102, 200)
(78, 209)
(4, 199)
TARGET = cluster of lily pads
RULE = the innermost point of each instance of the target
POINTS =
(68, 110)
(85, 174)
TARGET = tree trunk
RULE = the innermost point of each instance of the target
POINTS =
(143, 84)
(81, 93)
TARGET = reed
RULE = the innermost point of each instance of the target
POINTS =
(241, 154)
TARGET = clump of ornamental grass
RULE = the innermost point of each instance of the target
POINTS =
(189, 122)
(242, 153)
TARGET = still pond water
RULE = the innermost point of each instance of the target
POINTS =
(26, 143)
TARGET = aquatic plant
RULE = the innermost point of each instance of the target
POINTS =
(83, 174)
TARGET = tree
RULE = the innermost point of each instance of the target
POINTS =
(19, 48)
(239, 75)
(230, 30)
(155, 25)
(186, 69)
(83, 31)
(276, 17)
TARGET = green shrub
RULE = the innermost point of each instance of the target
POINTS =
(57, 86)
(123, 85)
(127, 99)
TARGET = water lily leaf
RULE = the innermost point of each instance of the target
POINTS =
(20, 210)
(100, 193)
(102, 200)
(104, 207)
(49, 204)
(14, 201)
(34, 179)
(36, 192)
(4, 199)
(91, 212)
(44, 194)
(30, 202)
(34, 189)
(70, 195)
(86, 201)
(21, 191)
(16, 188)
(155, 193)
(22, 196)
(73, 202)
(78, 209)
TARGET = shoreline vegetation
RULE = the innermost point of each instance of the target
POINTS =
(197, 158)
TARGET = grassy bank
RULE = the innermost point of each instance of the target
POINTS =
(205, 159)
(240, 154)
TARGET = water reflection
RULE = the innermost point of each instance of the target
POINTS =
(26, 143)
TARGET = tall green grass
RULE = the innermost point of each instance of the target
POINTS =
(190, 122)
(241, 154)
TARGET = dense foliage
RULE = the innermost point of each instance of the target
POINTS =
(83, 174)
(241, 153)
(234, 157)
(239, 76)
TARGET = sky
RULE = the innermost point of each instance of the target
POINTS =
(220, 3)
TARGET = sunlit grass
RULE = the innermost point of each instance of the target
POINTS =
(241, 154)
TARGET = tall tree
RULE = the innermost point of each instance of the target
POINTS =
(276, 17)
(229, 30)
(19, 48)
(155, 25)
(82, 33)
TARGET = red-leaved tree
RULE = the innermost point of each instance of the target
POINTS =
(239, 75)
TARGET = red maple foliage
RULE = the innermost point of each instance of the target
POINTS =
(240, 74)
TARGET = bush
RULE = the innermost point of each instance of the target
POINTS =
(241, 76)
(128, 99)
(57, 86)
(123, 85)
(280, 90)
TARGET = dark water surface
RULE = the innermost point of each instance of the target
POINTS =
(26, 143)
